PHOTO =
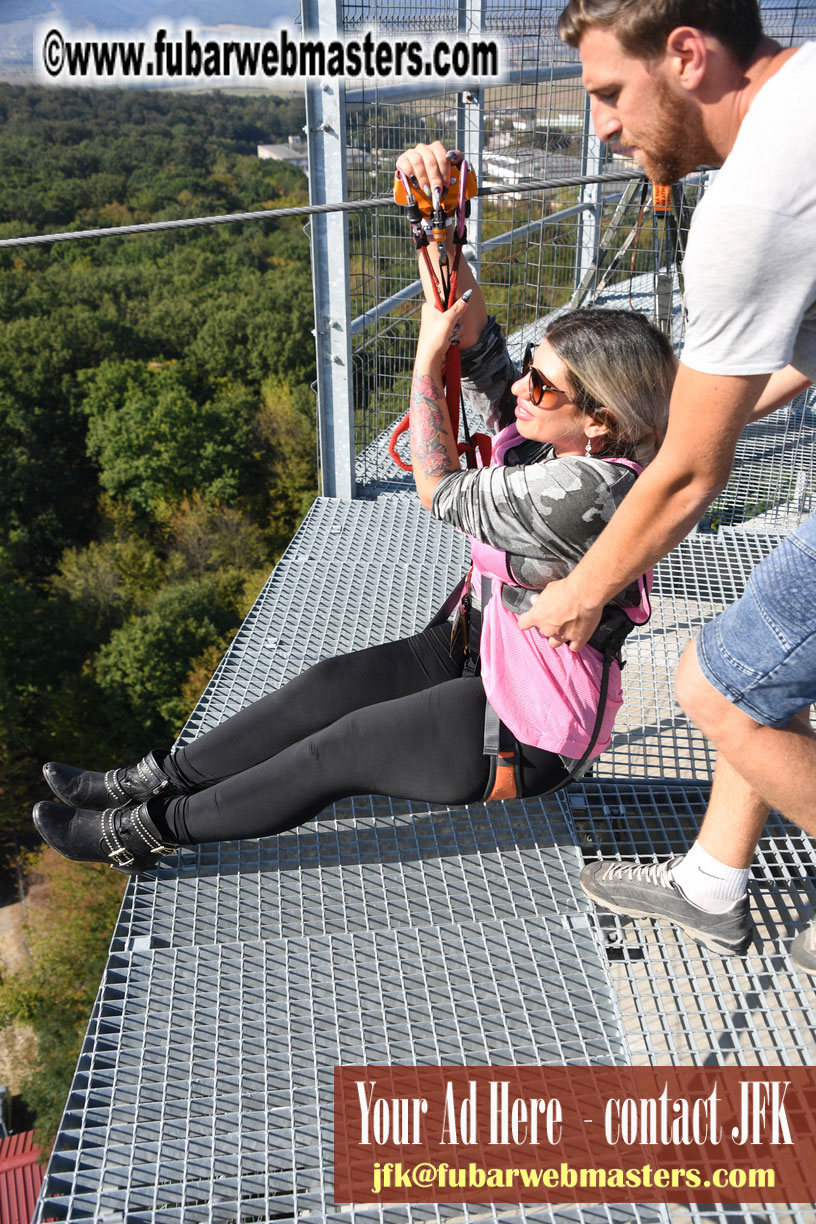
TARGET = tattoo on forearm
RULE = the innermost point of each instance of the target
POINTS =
(430, 427)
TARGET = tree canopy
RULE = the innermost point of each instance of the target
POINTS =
(157, 422)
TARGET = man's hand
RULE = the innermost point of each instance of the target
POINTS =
(561, 616)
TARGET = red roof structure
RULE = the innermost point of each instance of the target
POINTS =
(20, 1178)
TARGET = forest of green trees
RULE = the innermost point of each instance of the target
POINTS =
(157, 429)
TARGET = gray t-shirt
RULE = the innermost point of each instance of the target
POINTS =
(750, 268)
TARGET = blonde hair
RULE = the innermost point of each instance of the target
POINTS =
(622, 369)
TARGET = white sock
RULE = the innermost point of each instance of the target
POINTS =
(708, 883)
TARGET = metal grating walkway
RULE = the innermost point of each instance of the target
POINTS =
(209, 1091)
(680, 1003)
(390, 932)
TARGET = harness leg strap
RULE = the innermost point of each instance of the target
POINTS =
(501, 747)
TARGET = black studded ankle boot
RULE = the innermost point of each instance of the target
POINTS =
(85, 789)
(125, 837)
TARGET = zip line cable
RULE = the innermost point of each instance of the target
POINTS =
(268, 214)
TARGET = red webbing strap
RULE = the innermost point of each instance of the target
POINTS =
(452, 379)
(399, 430)
(477, 443)
(433, 278)
(451, 376)
(452, 369)
(504, 778)
(483, 443)
(454, 277)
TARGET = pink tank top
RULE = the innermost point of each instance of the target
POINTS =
(547, 696)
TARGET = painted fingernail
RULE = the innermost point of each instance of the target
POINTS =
(467, 295)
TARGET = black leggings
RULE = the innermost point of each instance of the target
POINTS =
(404, 719)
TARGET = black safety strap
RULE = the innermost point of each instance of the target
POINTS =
(466, 626)
(577, 769)
(450, 603)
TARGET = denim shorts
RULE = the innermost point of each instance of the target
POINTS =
(760, 652)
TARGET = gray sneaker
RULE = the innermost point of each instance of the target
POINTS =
(646, 890)
(803, 949)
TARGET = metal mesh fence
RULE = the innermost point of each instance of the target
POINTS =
(532, 248)
(530, 129)
(528, 271)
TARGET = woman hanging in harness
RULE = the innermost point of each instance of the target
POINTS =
(408, 718)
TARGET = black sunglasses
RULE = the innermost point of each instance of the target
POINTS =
(539, 387)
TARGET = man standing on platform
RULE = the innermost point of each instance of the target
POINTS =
(683, 83)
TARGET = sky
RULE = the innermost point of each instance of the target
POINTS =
(19, 18)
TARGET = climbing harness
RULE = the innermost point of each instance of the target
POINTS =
(501, 746)
(434, 217)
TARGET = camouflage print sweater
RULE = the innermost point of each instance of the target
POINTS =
(543, 512)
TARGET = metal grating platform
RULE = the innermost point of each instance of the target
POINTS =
(209, 1069)
(680, 1003)
(347, 580)
(387, 932)
(772, 485)
(390, 932)
(369, 864)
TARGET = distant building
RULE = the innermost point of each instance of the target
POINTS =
(21, 1176)
(514, 167)
(570, 119)
(293, 153)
